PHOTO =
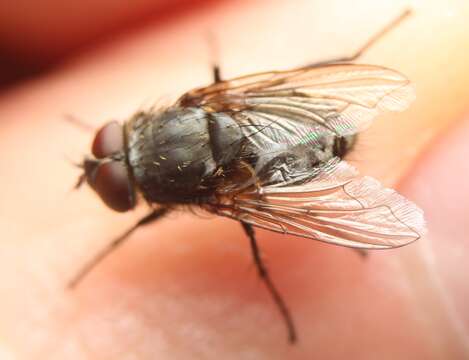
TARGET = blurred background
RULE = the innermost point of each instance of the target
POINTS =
(37, 36)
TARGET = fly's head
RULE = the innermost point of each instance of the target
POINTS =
(106, 172)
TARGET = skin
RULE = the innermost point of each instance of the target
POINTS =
(186, 287)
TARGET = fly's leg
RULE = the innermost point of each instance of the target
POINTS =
(362, 253)
(264, 274)
(216, 73)
(80, 124)
(252, 175)
(368, 44)
(214, 56)
(245, 176)
(153, 216)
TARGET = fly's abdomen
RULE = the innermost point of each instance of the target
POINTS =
(343, 145)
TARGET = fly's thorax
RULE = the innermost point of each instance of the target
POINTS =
(172, 153)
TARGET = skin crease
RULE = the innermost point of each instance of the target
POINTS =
(186, 287)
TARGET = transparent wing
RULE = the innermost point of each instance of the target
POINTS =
(306, 104)
(335, 207)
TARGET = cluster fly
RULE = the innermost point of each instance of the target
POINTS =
(266, 150)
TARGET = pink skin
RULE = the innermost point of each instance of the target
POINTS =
(186, 287)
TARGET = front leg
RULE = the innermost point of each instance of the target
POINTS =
(151, 217)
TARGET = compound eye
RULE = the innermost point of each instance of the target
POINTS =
(108, 140)
(113, 185)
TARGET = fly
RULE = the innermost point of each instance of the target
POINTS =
(266, 150)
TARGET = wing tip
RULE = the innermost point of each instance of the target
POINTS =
(400, 98)
(406, 212)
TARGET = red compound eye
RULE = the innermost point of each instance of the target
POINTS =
(112, 183)
(108, 140)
